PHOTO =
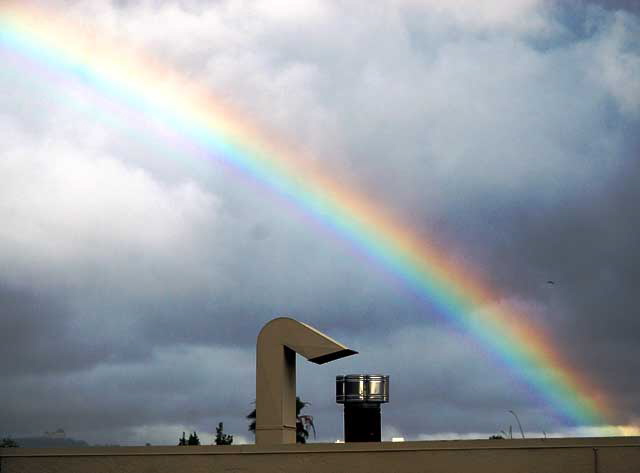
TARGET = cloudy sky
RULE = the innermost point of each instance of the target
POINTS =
(133, 282)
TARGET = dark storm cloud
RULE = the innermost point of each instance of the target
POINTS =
(432, 373)
(134, 281)
(27, 339)
(629, 5)
(186, 391)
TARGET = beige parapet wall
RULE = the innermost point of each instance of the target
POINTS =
(568, 455)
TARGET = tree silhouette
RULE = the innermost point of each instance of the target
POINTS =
(303, 423)
(252, 424)
(8, 443)
(221, 437)
(193, 439)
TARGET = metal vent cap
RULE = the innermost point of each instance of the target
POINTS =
(352, 388)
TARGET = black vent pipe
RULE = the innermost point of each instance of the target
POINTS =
(362, 395)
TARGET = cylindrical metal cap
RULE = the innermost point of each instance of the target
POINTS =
(352, 388)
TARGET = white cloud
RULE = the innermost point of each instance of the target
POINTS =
(599, 431)
(389, 432)
(618, 62)
(67, 211)
(594, 431)
(515, 15)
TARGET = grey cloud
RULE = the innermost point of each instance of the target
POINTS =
(179, 385)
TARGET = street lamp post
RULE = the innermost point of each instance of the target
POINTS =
(518, 421)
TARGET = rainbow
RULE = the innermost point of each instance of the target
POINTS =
(127, 80)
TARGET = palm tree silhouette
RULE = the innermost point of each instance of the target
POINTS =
(303, 423)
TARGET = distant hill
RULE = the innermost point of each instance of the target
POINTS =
(48, 442)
